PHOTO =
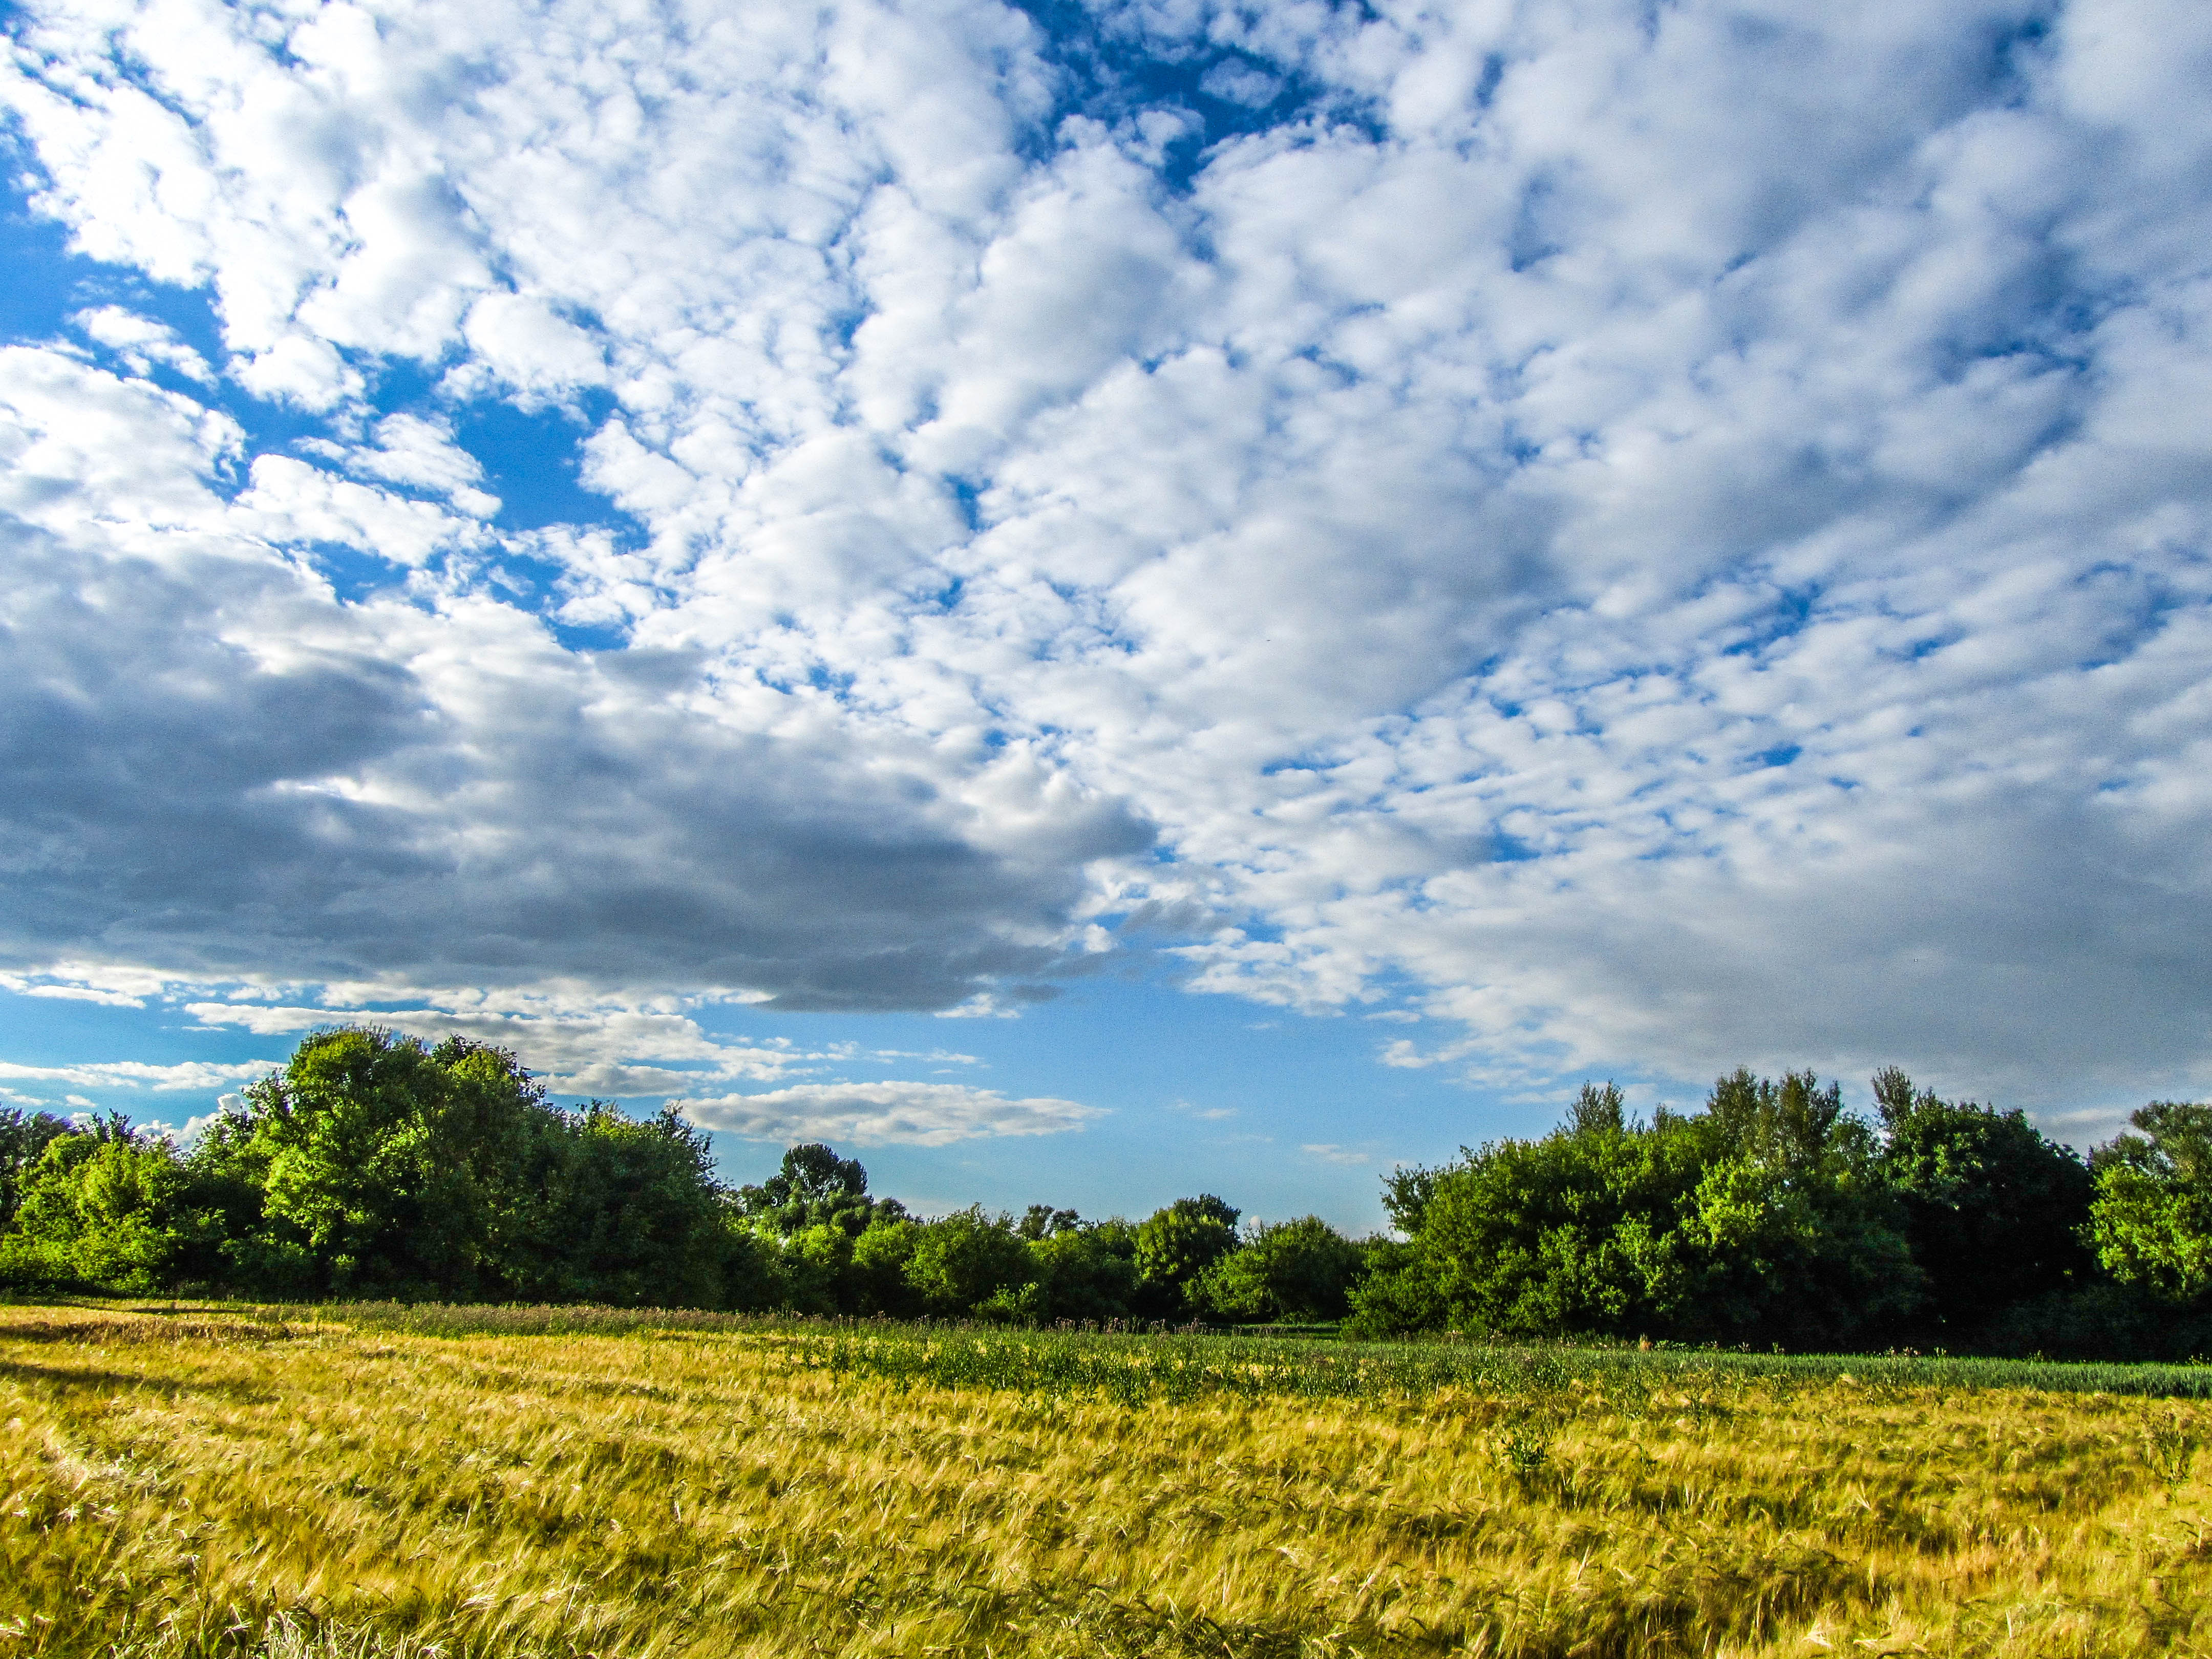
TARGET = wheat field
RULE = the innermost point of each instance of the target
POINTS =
(202, 1482)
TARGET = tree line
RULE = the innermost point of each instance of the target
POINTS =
(377, 1165)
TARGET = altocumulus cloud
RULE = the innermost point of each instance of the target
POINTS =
(874, 1113)
(1643, 534)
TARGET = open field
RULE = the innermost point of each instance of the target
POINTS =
(1183, 1365)
(346, 1482)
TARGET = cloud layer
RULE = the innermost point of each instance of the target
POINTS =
(874, 1113)
(1641, 536)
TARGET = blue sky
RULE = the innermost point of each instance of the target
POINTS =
(1100, 599)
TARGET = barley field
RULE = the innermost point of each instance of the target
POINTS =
(336, 1484)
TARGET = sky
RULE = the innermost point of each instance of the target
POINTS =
(1101, 598)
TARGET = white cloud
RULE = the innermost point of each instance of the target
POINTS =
(1328, 1152)
(885, 1113)
(194, 1074)
(410, 450)
(1654, 537)
(1242, 83)
(141, 342)
(291, 501)
(520, 343)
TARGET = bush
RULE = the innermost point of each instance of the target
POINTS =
(111, 1208)
(1762, 1220)
(2151, 1219)
(963, 1262)
(1298, 1270)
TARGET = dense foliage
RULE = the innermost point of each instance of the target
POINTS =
(1776, 1218)
(378, 1165)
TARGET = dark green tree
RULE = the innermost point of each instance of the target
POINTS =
(1176, 1243)
(388, 1167)
(1299, 1270)
(626, 1213)
(876, 1277)
(1993, 1213)
(971, 1262)
(1043, 1221)
(1085, 1271)
(814, 1188)
(1761, 1218)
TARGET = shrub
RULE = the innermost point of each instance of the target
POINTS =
(1293, 1270)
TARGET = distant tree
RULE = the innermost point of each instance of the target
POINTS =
(1178, 1243)
(1792, 1125)
(1085, 1271)
(112, 1207)
(24, 1136)
(2151, 1218)
(814, 1188)
(812, 1269)
(1396, 1293)
(1578, 1232)
(622, 1211)
(970, 1263)
(877, 1281)
(1993, 1213)
(1406, 1191)
(1760, 1218)
(1598, 1110)
(1043, 1221)
(1291, 1270)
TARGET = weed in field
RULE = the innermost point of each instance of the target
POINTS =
(2170, 1448)
(1524, 1451)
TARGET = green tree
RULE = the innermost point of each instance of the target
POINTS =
(24, 1137)
(386, 1166)
(1085, 1271)
(1291, 1270)
(110, 1207)
(812, 1268)
(622, 1211)
(879, 1283)
(1395, 1294)
(1043, 1221)
(1760, 1218)
(814, 1187)
(965, 1263)
(1176, 1243)
(2150, 1221)
(1993, 1212)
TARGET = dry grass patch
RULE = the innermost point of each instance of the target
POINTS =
(204, 1484)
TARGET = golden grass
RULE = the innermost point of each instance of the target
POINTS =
(201, 1484)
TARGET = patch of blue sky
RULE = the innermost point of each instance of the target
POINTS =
(45, 279)
(532, 460)
(1118, 62)
(1509, 848)
(1789, 613)
(1201, 1093)
(49, 285)
(2142, 607)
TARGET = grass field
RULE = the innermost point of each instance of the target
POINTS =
(343, 1484)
